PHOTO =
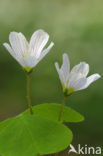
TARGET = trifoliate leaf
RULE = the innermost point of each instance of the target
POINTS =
(51, 111)
(30, 135)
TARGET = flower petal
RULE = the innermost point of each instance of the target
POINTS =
(19, 44)
(37, 42)
(91, 79)
(82, 68)
(60, 73)
(80, 83)
(73, 77)
(65, 66)
(57, 67)
(10, 50)
(45, 51)
(76, 81)
(30, 62)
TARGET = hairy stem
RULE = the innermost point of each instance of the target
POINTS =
(61, 108)
(28, 93)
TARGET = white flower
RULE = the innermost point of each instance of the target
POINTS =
(28, 54)
(76, 79)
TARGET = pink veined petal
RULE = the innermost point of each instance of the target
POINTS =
(91, 79)
(80, 83)
(45, 51)
(65, 66)
(73, 78)
(38, 42)
(10, 50)
(19, 44)
(30, 62)
(82, 68)
(60, 73)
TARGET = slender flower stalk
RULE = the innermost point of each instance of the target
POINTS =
(60, 115)
(28, 93)
(28, 54)
(73, 80)
(61, 108)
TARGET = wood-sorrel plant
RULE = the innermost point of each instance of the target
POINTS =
(40, 129)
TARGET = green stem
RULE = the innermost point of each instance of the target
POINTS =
(60, 114)
(28, 93)
(61, 108)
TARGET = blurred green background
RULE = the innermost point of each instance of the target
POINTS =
(76, 28)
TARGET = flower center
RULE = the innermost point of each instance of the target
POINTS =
(70, 90)
(26, 56)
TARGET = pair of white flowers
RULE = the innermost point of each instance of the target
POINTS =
(29, 54)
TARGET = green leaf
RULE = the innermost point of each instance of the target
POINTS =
(51, 111)
(30, 135)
